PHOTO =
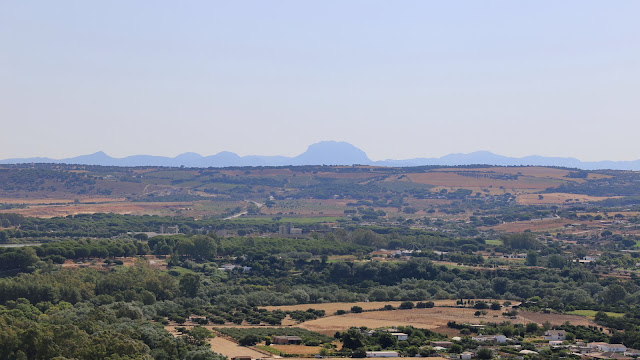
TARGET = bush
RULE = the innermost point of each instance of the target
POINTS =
(424, 305)
(249, 340)
(406, 305)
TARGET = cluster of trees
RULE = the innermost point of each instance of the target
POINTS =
(251, 336)
(357, 341)
(90, 314)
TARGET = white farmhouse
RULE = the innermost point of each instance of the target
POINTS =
(555, 335)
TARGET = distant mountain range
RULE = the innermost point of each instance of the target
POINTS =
(326, 153)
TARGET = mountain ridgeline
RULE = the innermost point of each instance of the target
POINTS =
(327, 153)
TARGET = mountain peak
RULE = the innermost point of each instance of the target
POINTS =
(332, 153)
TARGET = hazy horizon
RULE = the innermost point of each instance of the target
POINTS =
(398, 80)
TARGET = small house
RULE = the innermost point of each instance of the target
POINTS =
(555, 335)
(467, 355)
(378, 354)
(604, 347)
(500, 339)
(400, 336)
(287, 340)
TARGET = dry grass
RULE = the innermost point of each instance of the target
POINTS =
(66, 200)
(557, 198)
(451, 179)
(153, 260)
(230, 349)
(434, 319)
(297, 349)
(331, 308)
(224, 346)
(533, 225)
(535, 171)
(135, 208)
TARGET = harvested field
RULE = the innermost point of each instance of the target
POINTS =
(535, 171)
(66, 200)
(331, 308)
(224, 346)
(297, 349)
(330, 207)
(135, 208)
(455, 180)
(533, 225)
(558, 198)
(230, 349)
(433, 319)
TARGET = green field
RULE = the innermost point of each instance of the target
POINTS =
(592, 313)
(495, 242)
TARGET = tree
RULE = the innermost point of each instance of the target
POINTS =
(352, 339)
(185, 246)
(204, 247)
(556, 261)
(198, 336)
(406, 305)
(356, 309)
(484, 353)
(386, 340)
(249, 340)
(190, 284)
(532, 258)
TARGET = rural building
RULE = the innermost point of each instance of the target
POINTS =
(382, 354)
(286, 340)
(500, 339)
(604, 347)
(288, 229)
(609, 355)
(555, 343)
(555, 335)
(400, 336)
(528, 352)
(632, 353)
(467, 355)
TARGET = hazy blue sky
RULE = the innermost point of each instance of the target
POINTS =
(398, 79)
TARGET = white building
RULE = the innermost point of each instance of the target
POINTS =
(555, 335)
(377, 354)
(500, 339)
(604, 347)
(466, 355)
(632, 353)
